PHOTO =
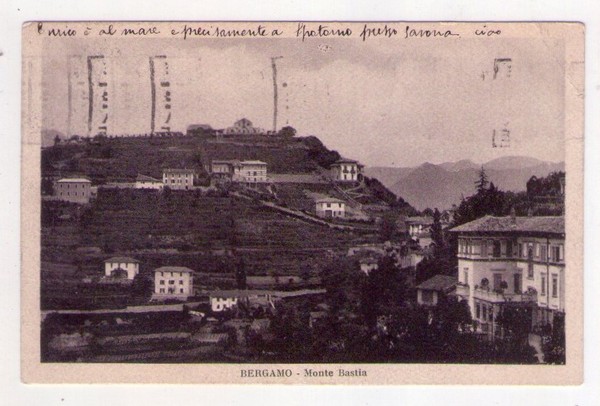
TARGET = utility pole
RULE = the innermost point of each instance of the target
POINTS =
(274, 66)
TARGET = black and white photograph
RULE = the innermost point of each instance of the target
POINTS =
(304, 201)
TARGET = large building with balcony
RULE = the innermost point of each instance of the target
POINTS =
(346, 170)
(247, 172)
(512, 261)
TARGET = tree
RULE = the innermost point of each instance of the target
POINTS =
(142, 286)
(287, 131)
(436, 229)
(482, 182)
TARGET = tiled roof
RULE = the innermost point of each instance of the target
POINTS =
(144, 178)
(345, 161)
(329, 200)
(69, 180)
(172, 170)
(253, 163)
(173, 269)
(121, 260)
(420, 220)
(438, 283)
(534, 224)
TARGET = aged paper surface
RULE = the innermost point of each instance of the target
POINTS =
(178, 155)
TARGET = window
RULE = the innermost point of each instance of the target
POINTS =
(180, 290)
(543, 280)
(181, 282)
(162, 290)
(555, 250)
(466, 276)
(171, 282)
(477, 311)
(497, 280)
(427, 296)
(517, 283)
(484, 312)
(484, 248)
(497, 249)
(530, 263)
(491, 313)
(509, 248)
(554, 285)
(544, 253)
(162, 282)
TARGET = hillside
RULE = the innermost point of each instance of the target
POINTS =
(443, 185)
(121, 159)
(189, 229)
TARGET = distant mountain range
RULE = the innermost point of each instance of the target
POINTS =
(443, 185)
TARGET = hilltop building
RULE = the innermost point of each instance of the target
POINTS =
(147, 182)
(179, 179)
(330, 207)
(129, 265)
(512, 261)
(173, 282)
(74, 190)
(346, 170)
(243, 126)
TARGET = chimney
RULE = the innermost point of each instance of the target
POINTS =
(513, 215)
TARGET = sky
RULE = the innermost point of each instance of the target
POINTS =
(385, 103)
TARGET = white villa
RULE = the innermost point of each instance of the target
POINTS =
(330, 207)
(346, 170)
(173, 282)
(516, 261)
(179, 179)
(74, 190)
(129, 265)
(248, 172)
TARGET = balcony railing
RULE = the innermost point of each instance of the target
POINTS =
(492, 296)
(462, 290)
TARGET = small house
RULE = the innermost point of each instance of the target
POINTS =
(113, 267)
(330, 207)
(430, 292)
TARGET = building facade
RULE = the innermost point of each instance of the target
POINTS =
(346, 170)
(247, 172)
(179, 179)
(512, 261)
(129, 265)
(330, 208)
(74, 190)
(173, 282)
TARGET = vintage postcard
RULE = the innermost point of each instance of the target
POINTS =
(302, 202)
